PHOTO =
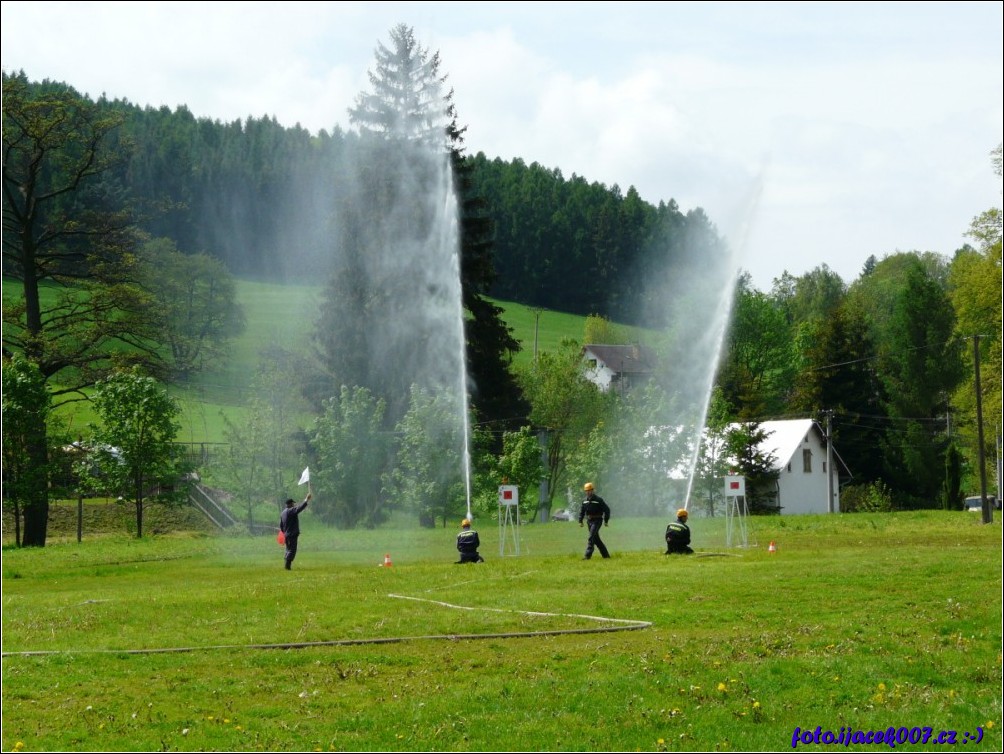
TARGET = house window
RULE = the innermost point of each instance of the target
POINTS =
(807, 461)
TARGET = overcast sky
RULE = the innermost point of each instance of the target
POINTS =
(810, 133)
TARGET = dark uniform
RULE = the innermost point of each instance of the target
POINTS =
(596, 512)
(289, 524)
(468, 543)
(678, 536)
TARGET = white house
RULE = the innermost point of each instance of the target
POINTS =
(617, 367)
(804, 467)
(798, 447)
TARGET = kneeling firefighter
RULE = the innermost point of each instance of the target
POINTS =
(678, 535)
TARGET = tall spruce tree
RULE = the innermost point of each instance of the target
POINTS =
(410, 106)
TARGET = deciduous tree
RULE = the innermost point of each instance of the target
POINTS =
(974, 286)
(565, 405)
(428, 476)
(759, 361)
(266, 444)
(195, 297)
(133, 447)
(351, 451)
(69, 240)
(26, 407)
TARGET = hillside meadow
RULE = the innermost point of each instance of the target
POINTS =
(284, 314)
(190, 642)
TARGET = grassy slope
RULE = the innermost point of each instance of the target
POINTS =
(868, 621)
(285, 314)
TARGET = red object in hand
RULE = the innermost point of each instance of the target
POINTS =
(281, 538)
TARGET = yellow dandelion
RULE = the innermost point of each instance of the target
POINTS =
(722, 687)
(990, 723)
(756, 704)
(238, 727)
(881, 687)
(661, 741)
(20, 745)
(226, 720)
(210, 717)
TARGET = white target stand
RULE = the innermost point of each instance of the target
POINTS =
(736, 512)
(508, 519)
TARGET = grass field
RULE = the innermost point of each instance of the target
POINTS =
(867, 621)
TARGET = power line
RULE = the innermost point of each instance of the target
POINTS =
(882, 356)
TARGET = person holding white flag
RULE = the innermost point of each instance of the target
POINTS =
(289, 520)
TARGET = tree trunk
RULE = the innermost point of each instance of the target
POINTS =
(139, 507)
(17, 524)
(36, 507)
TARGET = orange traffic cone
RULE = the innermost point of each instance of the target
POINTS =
(386, 561)
(772, 548)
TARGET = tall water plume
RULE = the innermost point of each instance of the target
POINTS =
(392, 318)
(684, 296)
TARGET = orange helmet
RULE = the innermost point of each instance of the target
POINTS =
(588, 487)
(465, 522)
(682, 513)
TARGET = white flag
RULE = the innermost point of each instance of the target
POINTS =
(305, 476)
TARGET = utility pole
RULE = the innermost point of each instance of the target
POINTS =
(544, 494)
(80, 496)
(829, 461)
(536, 329)
(997, 462)
(988, 515)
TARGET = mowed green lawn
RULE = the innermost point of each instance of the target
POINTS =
(867, 621)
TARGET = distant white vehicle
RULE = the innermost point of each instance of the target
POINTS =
(975, 503)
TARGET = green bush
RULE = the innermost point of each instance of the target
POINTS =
(873, 497)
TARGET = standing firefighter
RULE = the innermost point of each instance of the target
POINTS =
(678, 535)
(289, 525)
(468, 543)
(596, 512)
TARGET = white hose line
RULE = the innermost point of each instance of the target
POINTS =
(626, 625)
(630, 623)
